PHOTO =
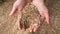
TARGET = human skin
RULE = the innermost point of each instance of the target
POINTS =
(39, 4)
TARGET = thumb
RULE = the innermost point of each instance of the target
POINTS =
(12, 12)
(47, 20)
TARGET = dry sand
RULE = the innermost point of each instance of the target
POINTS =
(7, 23)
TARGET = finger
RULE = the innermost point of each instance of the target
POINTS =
(47, 18)
(18, 28)
(42, 17)
(13, 11)
(35, 28)
(30, 28)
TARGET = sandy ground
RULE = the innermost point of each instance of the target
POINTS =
(7, 23)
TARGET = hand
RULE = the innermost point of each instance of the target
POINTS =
(18, 6)
(39, 4)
